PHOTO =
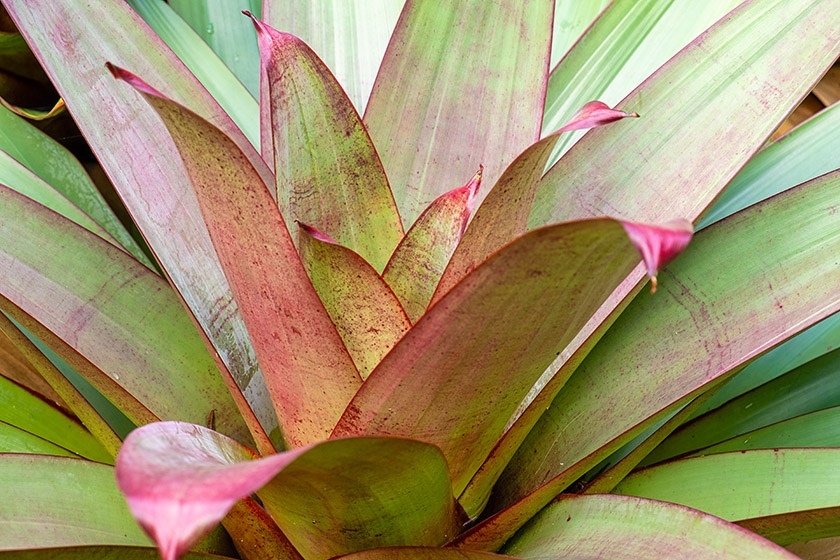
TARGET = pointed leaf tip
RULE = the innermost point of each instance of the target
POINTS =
(132, 79)
(659, 244)
(315, 233)
(594, 113)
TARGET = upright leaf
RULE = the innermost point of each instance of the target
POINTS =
(419, 260)
(328, 172)
(291, 331)
(173, 227)
(445, 102)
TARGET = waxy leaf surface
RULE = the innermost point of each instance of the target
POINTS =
(444, 101)
(419, 260)
(459, 373)
(735, 312)
(362, 306)
(295, 341)
(327, 171)
(73, 45)
(113, 319)
(625, 528)
(329, 498)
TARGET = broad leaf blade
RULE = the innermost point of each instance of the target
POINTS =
(456, 377)
(419, 260)
(417, 553)
(624, 528)
(110, 30)
(594, 414)
(350, 36)
(16, 440)
(362, 306)
(330, 498)
(293, 336)
(112, 318)
(328, 172)
(443, 95)
(97, 553)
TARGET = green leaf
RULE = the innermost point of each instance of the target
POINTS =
(15, 440)
(760, 61)
(746, 485)
(459, 373)
(624, 528)
(329, 498)
(219, 79)
(111, 318)
(50, 161)
(47, 496)
(293, 336)
(444, 103)
(720, 296)
(571, 19)
(808, 388)
(25, 411)
(220, 25)
(362, 306)
(350, 36)
(328, 172)
(110, 114)
(627, 43)
(419, 260)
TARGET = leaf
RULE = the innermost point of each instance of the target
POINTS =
(15, 440)
(762, 59)
(807, 388)
(730, 311)
(328, 172)
(659, 245)
(293, 336)
(443, 102)
(419, 553)
(219, 79)
(97, 553)
(746, 485)
(362, 306)
(459, 373)
(256, 534)
(592, 114)
(114, 320)
(624, 528)
(329, 498)
(419, 260)
(15, 366)
(173, 226)
(349, 36)
(571, 19)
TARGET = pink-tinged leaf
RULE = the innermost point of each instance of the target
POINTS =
(457, 376)
(147, 171)
(362, 306)
(445, 98)
(328, 171)
(113, 320)
(722, 298)
(255, 533)
(502, 216)
(180, 480)
(659, 245)
(295, 341)
(99, 552)
(594, 113)
(419, 553)
(418, 262)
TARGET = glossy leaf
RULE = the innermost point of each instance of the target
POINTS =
(725, 310)
(362, 306)
(328, 172)
(443, 102)
(418, 262)
(181, 479)
(457, 376)
(219, 79)
(626, 169)
(746, 485)
(50, 161)
(624, 528)
(808, 388)
(293, 336)
(110, 30)
(350, 36)
(113, 319)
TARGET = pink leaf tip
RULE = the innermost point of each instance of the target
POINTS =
(132, 79)
(315, 233)
(594, 113)
(659, 244)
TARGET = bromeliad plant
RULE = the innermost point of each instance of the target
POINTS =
(396, 367)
